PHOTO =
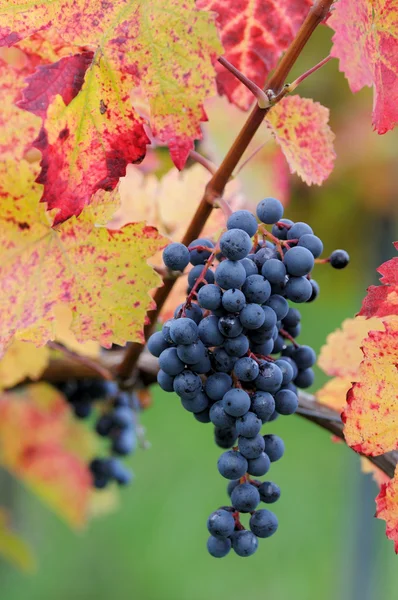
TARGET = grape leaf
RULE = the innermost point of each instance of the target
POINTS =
(387, 508)
(133, 40)
(341, 355)
(18, 128)
(300, 126)
(371, 414)
(13, 548)
(22, 360)
(334, 393)
(382, 300)
(366, 42)
(254, 34)
(101, 275)
(36, 433)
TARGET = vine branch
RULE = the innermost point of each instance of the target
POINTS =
(218, 181)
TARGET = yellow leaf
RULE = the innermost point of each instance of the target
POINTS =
(22, 361)
(13, 548)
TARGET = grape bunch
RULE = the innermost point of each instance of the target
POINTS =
(117, 422)
(231, 354)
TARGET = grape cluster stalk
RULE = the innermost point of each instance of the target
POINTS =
(230, 353)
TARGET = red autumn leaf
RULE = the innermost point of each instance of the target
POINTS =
(131, 45)
(382, 300)
(366, 42)
(300, 127)
(254, 34)
(371, 414)
(387, 508)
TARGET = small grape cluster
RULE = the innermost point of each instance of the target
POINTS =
(117, 422)
(218, 353)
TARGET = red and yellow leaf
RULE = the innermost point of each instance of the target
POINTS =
(13, 548)
(366, 42)
(42, 445)
(131, 42)
(254, 34)
(300, 126)
(387, 508)
(101, 275)
(341, 355)
(382, 300)
(371, 414)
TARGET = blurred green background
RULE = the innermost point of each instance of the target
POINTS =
(328, 545)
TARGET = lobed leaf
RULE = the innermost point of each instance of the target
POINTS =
(300, 127)
(387, 508)
(366, 43)
(254, 34)
(382, 300)
(371, 414)
(101, 275)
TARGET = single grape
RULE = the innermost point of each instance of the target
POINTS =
(251, 447)
(287, 370)
(298, 229)
(249, 425)
(157, 343)
(217, 385)
(305, 378)
(225, 437)
(199, 257)
(249, 266)
(286, 402)
(244, 543)
(245, 498)
(298, 261)
(232, 465)
(82, 409)
(210, 296)
(176, 256)
(298, 289)
(263, 523)
(219, 417)
(218, 548)
(263, 405)
(123, 416)
(269, 492)
(275, 271)
(339, 259)
(243, 219)
(236, 402)
(183, 331)
(196, 404)
(274, 447)
(256, 289)
(265, 253)
(221, 523)
(125, 442)
(196, 272)
(170, 363)
(222, 362)
(119, 472)
(230, 326)
(232, 485)
(304, 357)
(279, 344)
(315, 290)
(104, 425)
(246, 369)
(259, 466)
(292, 318)
(235, 244)
(233, 300)
(187, 385)
(312, 243)
(270, 377)
(290, 360)
(263, 349)
(209, 332)
(203, 416)
(230, 274)
(279, 231)
(237, 346)
(194, 312)
(203, 366)
(270, 211)
(252, 316)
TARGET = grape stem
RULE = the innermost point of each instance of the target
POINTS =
(202, 160)
(261, 96)
(96, 366)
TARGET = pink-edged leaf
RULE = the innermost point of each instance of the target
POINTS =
(301, 128)
(366, 42)
(382, 300)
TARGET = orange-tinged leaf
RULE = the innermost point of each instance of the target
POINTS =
(64, 334)
(254, 33)
(371, 415)
(101, 275)
(13, 548)
(382, 300)
(334, 393)
(18, 128)
(134, 37)
(366, 42)
(36, 434)
(22, 361)
(300, 126)
(387, 508)
(341, 355)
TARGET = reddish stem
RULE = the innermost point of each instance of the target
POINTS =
(261, 96)
(287, 336)
(205, 162)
